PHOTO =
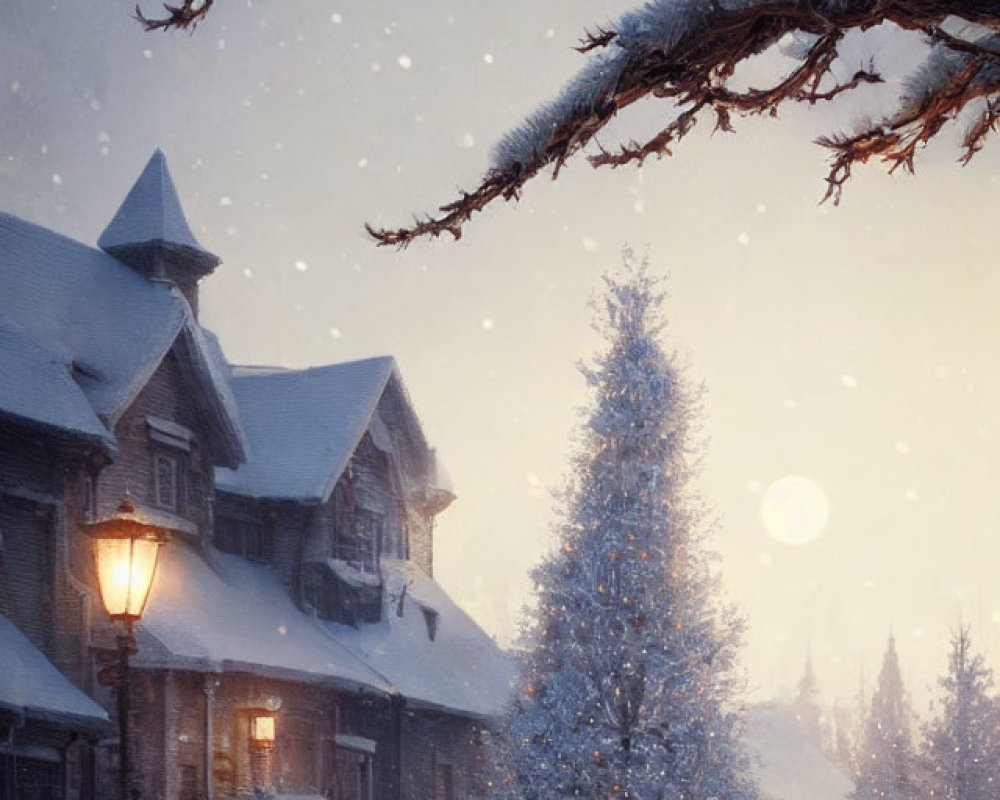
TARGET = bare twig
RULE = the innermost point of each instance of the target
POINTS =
(594, 40)
(896, 141)
(861, 76)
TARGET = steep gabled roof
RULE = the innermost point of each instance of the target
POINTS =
(106, 325)
(303, 426)
(151, 217)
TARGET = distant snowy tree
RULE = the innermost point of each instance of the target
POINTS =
(630, 665)
(806, 706)
(841, 750)
(687, 52)
(885, 758)
(962, 751)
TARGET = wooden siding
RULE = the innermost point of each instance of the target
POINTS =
(168, 396)
(27, 569)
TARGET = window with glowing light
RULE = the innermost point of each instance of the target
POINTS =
(262, 729)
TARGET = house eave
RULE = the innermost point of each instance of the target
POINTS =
(227, 667)
(65, 438)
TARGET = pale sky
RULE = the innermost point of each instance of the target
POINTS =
(856, 346)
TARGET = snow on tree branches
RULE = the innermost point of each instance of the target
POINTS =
(962, 750)
(886, 762)
(182, 17)
(687, 51)
(630, 667)
(806, 707)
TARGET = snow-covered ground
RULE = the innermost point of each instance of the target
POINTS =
(789, 767)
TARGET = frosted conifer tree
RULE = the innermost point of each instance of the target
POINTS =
(886, 762)
(806, 708)
(961, 743)
(842, 749)
(630, 673)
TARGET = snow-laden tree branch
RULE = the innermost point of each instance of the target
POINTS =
(182, 17)
(687, 51)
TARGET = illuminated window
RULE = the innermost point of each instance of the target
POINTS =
(262, 729)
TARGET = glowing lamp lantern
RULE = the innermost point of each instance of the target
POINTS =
(126, 547)
(125, 552)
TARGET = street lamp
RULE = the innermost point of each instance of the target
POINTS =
(125, 551)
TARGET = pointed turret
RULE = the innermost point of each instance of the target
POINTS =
(150, 233)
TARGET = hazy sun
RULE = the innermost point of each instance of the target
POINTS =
(794, 509)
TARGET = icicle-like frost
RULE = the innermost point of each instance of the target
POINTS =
(526, 143)
(656, 26)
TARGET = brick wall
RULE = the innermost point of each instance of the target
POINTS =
(437, 745)
(169, 712)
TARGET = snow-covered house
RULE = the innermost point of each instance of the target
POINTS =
(295, 596)
(787, 764)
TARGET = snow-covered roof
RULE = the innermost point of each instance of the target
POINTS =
(37, 388)
(151, 217)
(788, 766)
(218, 612)
(303, 426)
(106, 324)
(461, 670)
(32, 687)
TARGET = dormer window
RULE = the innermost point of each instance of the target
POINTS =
(172, 446)
(165, 482)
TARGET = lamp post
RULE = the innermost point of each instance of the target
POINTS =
(125, 553)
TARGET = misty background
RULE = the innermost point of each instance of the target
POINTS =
(855, 345)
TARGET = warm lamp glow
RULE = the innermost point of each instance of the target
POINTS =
(125, 572)
(262, 729)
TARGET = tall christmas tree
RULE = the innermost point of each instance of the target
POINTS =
(962, 753)
(886, 762)
(630, 664)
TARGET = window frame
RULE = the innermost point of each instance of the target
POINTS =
(362, 547)
(173, 502)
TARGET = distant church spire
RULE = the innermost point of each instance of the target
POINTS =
(150, 233)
